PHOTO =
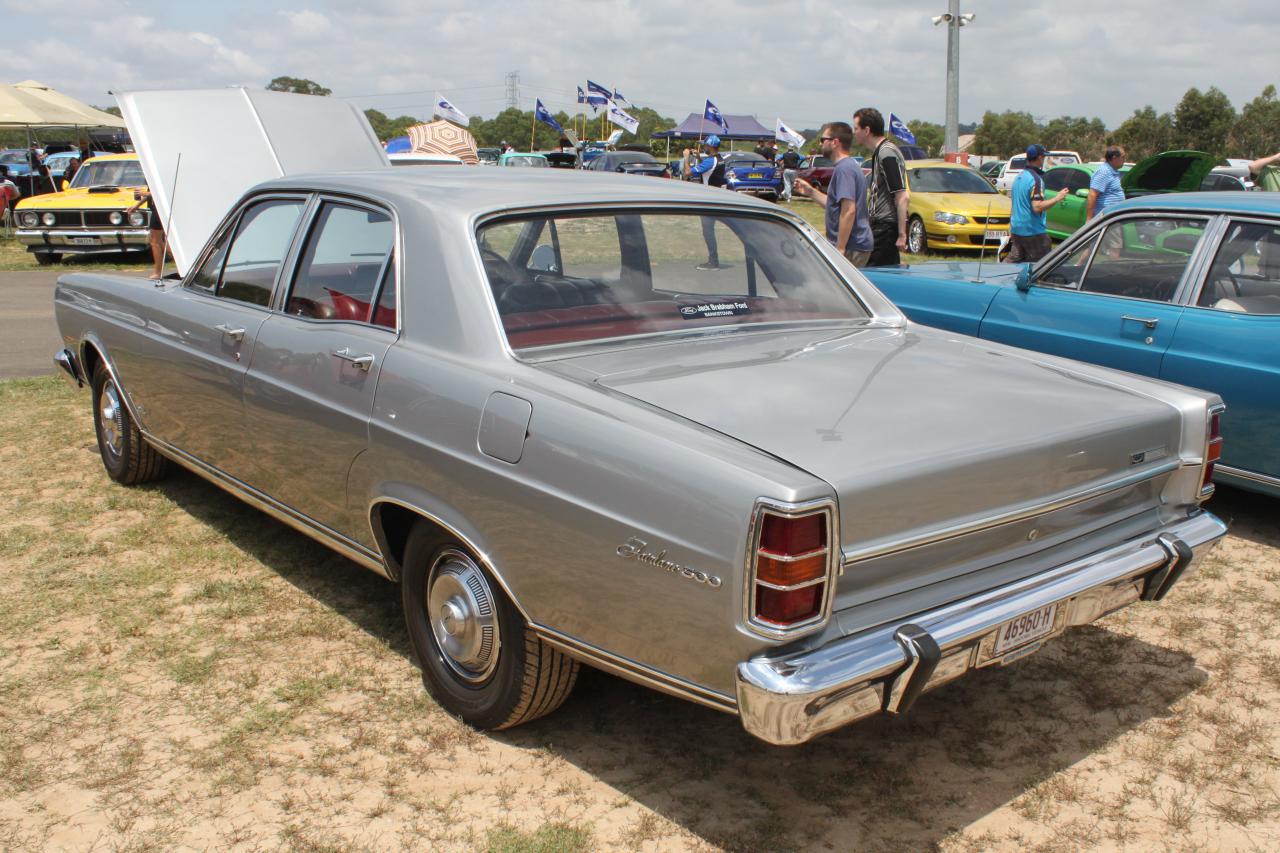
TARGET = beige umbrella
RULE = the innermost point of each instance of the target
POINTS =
(33, 104)
(442, 137)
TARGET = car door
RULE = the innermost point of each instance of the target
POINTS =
(1055, 217)
(1109, 299)
(309, 391)
(1229, 342)
(193, 387)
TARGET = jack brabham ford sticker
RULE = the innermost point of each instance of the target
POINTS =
(699, 310)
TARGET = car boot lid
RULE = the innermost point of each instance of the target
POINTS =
(1168, 172)
(201, 149)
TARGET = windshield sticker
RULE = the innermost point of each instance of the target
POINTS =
(699, 310)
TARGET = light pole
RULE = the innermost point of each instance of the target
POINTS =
(954, 21)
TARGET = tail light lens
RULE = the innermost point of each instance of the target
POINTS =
(791, 562)
(1212, 451)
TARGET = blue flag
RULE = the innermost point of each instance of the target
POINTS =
(541, 114)
(598, 89)
(582, 96)
(712, 114)
(899, 128)
(618, 96)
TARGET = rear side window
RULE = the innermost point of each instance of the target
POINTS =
(261, 241)
(345, 263)
(1245, 275)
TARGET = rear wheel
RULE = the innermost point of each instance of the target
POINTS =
(479, 658)
(128, 458)
(917, 240)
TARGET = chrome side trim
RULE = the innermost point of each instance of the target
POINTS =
(453, 531)
(855, 555)
(91, 340)
(632, 671)
(348, 548)
(790, 699)
(1251, 476)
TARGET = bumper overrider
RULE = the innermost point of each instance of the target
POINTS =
(790, 700)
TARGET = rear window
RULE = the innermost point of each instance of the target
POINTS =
(569, 279)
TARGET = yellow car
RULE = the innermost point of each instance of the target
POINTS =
(952, 207)
(88, 216)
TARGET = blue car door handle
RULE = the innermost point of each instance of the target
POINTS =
(1149, 322)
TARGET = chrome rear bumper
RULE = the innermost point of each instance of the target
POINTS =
(790, 700)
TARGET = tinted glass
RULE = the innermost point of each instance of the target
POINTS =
(1143, 258)
(947, 181)
(623, 275)
(1245, 274)
(110, 173)
(385, 313)
(342, 264)
(207, 276)
(1069, 272)
(261, 241)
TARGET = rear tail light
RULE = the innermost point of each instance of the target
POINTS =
(791, 564)
(1212, 450)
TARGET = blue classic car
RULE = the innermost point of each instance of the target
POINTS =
(1184, 287)
(750, 173)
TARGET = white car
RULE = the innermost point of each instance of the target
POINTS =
(417, 159)
(1017, 164)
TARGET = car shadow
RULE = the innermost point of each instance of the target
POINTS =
(1248, 515)
(964, 751)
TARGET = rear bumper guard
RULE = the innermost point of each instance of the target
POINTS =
(791, 700)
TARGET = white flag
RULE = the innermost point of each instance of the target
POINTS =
(619, 117)
(444, 109)
(782, 133)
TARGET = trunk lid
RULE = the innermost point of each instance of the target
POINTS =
(918, 432)
(1168, 172)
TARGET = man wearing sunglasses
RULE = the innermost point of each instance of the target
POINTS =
(848, 227)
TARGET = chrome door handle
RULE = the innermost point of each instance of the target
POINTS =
(1149, 322)
(234, 334)
(359, 362)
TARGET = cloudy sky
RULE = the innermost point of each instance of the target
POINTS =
(802, 60)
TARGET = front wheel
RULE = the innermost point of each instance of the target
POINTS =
(917, 240)
(479, 658)
(128, 458)
(47, 259)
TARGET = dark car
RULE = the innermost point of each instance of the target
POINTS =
(629, 163)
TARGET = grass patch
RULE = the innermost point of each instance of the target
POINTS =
(548, 838)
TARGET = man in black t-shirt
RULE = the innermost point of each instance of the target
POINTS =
(887, 193)
(790, 163)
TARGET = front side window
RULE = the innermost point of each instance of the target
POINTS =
(262, 238)
(1143, 258)
(1070, 270)
(590, 277)
(1245, 275)
(343, 265)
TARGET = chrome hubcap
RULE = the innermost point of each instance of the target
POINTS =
(460, 608)
(111, 418)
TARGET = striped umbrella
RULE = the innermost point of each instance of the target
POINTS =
(442, 137)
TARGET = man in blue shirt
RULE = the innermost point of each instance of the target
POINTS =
(848, 225)
(1028, 234)
(1104, 186)
(710, 170)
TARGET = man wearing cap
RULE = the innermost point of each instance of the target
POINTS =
(709, 170)
(1028, 233)
(1104, 187)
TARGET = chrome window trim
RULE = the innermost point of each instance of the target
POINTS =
(1228, 219)
(853, 556)
(1189, 272)
(755, 529)
(479, 220)
(303, 236)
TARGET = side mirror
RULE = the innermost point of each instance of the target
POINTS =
(1082, 193)
(1023, 281)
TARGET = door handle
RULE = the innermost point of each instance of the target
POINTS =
(359, 362)
(1149, 322)
(234, 334)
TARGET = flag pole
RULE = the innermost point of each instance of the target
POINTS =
(533, 126)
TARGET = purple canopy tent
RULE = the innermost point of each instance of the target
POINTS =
(740, 127)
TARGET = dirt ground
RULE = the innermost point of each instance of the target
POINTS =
(178, 671)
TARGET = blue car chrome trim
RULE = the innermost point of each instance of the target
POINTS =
(792, 699)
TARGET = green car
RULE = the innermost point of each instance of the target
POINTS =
(1167, 172)
(523, 158)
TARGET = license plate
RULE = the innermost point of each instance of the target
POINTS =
(995, 235)
(755, 176)
(84, 241)
(1025, 628)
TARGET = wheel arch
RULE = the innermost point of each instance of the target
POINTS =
(392, 518)
(93, 353)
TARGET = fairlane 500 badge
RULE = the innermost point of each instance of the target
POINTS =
(634, 548)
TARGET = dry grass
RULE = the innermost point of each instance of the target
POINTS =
(177, 670)
(14, 256)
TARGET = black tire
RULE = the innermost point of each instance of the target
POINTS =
(128, 458)
(47, 259)
(494, 680)
(917, 239)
